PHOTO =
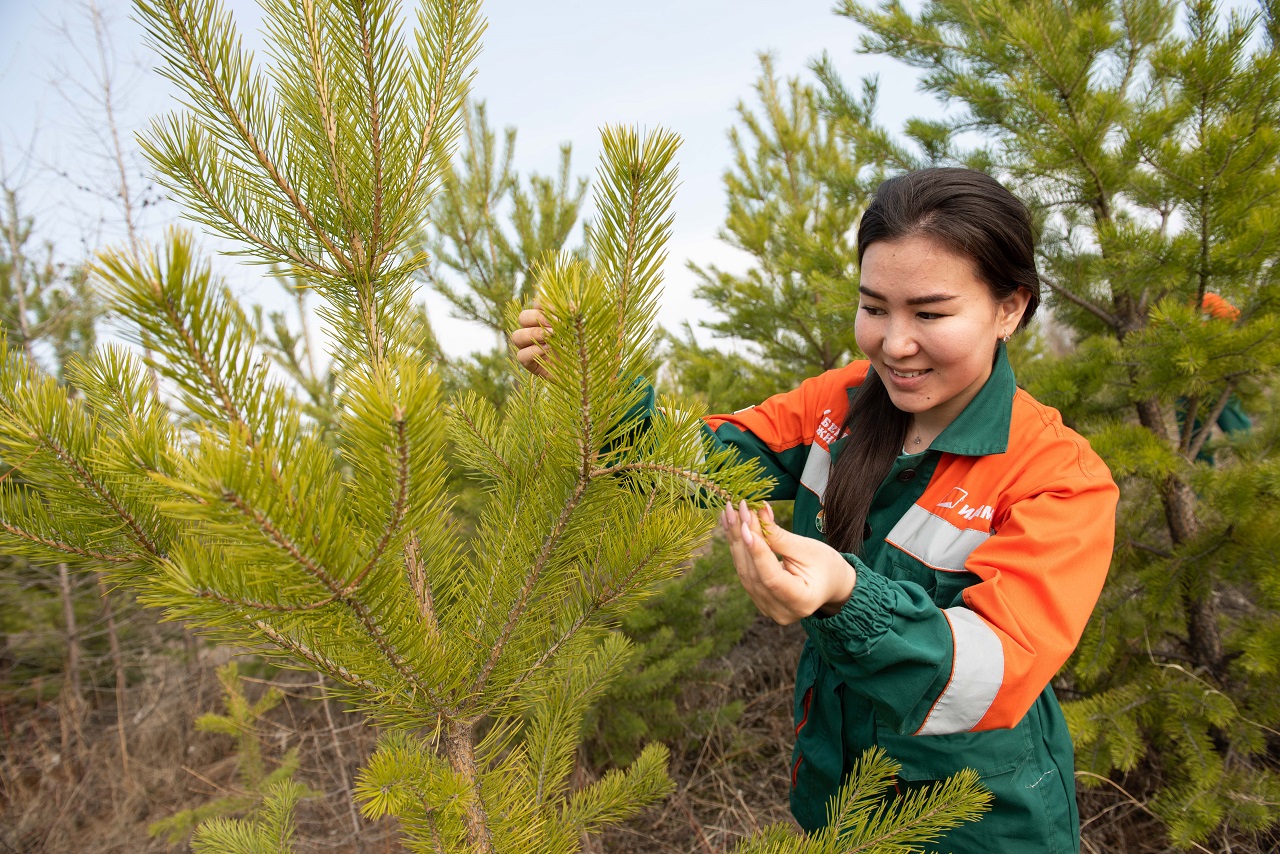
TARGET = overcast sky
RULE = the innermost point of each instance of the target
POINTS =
(556, 69)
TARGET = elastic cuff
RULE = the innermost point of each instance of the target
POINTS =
(863, 619)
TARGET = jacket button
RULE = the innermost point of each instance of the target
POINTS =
(906, 474)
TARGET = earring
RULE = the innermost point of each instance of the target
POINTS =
(1006, 338)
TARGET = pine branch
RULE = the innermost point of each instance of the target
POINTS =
(497, 562)
(84, 476)
(1096, 310)
(338, 592)
(454, 56)
(194, 53)
(421, 586)
(195, 180)
(314, 47)
(397, 510)
(320, 662)
(587, 446)
(254, 605)
(1194, 448)
(464, 413)
(531, 578)
(691, 475)
(373, 99)
(602, 601)
(68, 548)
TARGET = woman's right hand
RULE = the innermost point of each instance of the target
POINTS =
(788, 576)
(530, 340)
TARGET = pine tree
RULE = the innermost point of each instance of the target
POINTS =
(489, 229)
(330, 545)
(793, 210)
(479, 190)
(1145, 134)
(262, 791)
(47, 309)
(337, 552)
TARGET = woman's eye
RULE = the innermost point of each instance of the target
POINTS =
(928, 315)
(874, 311)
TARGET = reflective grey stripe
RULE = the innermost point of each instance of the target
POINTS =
(817, 466)
(934, 541)
(977, 671)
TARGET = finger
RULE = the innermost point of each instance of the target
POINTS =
(532, 317)
(523, 337)
(751, 532)
(778, 538)
(742, 560)
(533, 359)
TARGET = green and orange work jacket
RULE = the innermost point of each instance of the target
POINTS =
(985, 556)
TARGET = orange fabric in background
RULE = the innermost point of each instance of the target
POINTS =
(1217, 307)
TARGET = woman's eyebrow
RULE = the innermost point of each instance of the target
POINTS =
(924, 300)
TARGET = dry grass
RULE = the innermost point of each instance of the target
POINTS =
(73, 795)
(734, 782)
(63, 788)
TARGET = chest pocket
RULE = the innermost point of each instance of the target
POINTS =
(903, 567)
(930, 551)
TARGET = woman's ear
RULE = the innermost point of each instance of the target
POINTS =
(1010, 310)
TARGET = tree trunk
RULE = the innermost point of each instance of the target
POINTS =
(117, 663)
(461, 751)
(1204, 641)
(71, 688)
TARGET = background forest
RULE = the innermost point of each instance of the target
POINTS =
(1145, 135)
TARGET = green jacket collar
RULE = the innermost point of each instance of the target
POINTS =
(983, 426)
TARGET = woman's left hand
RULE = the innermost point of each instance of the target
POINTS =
(788, 576)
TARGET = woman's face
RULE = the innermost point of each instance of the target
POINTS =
(929, 326)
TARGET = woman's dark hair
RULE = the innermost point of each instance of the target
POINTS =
(970, 214)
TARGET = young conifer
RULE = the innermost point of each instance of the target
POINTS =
(794, 199)
(262, 791)
(332, 547)
(328, 543)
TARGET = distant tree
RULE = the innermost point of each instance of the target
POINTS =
(1145, 133)
(480, 191)
(47, 309)
(793, 210)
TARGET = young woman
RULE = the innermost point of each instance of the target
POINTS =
(951, 535)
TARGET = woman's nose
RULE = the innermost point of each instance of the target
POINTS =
(899, 339)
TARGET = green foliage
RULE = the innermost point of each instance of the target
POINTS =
(267, 797)
(1144, 134)
(795, 305)
(690, 621)
(467, 236)
(862, 821)
(331, 545)
(268, 832)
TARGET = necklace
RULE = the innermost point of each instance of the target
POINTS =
(917, 441)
